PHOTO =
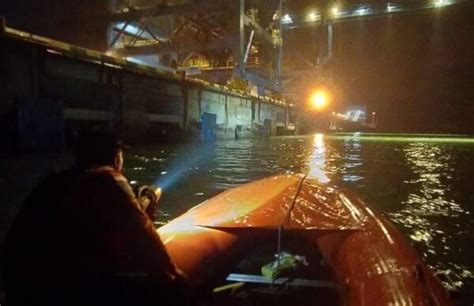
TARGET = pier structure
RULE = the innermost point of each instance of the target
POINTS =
(179, 67)
(51, 90)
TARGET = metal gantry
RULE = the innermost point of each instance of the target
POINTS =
(223, 40)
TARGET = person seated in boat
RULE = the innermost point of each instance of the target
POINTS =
(83, 238)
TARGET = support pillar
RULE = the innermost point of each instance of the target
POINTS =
(226, 114)
(330, 38)
(3, 24)
(280, 48)
(241, 38)
(200, 102)
(185, 94)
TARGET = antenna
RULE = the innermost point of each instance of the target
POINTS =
(286, 220)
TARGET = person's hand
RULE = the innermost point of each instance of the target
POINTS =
(157, 193)
(148, 198)
(152, 207)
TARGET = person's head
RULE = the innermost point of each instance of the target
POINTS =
(95, 148)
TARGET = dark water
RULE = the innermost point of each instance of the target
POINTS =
(424, 185)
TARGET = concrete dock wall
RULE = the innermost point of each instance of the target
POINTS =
(94, 90)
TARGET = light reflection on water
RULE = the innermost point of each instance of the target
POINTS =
(424, 187)
(353, 160)
(316, 160)
(428, 205)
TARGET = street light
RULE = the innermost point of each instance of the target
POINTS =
(441, 3)
(319, 100)
(313, 16)
(335, 10)
(373, 117)
(286, 19)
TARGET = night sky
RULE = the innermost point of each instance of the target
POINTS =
(416, 71)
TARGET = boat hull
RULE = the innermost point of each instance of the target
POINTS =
(370, 260)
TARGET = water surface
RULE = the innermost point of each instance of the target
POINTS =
(423, 184)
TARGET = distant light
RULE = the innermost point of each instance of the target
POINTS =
(335, 10)
(313, 16)
(319, 99)
(373, 113)
(441, 3)
(362, 10)
(130, 28)
(391, 7)
(53, 51)
(286, 19)
(135, 60)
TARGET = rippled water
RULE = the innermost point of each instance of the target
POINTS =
(422, 184)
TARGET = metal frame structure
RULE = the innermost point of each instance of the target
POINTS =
(212, 29)
(204, 27)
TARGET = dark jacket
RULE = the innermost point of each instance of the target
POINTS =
(82, 239)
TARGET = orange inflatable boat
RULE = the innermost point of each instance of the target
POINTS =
(289, 240)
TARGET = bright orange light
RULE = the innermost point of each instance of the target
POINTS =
(319, 100)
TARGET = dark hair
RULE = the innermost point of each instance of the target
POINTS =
(97, 147)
